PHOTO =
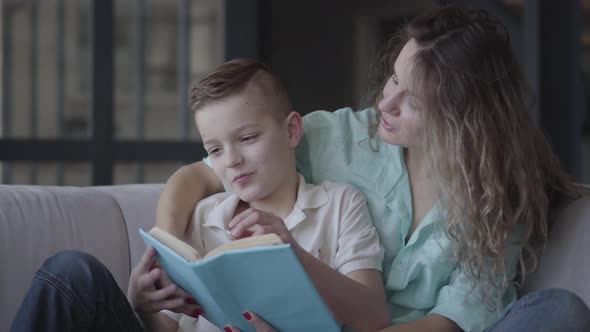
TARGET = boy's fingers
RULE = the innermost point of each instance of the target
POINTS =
(246, 223)
(146, 260)
(171, 305)
(239, 217)
(164, 279)
(147, 280)
(167, 292)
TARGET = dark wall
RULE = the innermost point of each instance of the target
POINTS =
(312, 46)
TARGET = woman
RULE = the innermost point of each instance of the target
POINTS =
(460, 184)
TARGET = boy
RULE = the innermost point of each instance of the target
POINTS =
(250, 132)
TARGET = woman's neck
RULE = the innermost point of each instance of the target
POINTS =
(416, 161)
(281, 202)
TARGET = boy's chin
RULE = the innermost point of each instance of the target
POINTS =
(247, 197)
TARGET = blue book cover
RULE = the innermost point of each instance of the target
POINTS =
(267, 280)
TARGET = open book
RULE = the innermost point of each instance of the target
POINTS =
(259, 274)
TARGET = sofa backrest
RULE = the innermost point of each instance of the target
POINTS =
(565, 261)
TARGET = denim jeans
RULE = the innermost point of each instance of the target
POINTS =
(547, 310)
(73, 291)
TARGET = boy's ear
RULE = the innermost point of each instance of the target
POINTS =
(295, 128)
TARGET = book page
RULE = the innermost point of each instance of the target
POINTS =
(189, 253)
(182, 248)
(254, 241)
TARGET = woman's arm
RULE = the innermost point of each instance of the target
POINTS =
(187, 186)
(430, 322)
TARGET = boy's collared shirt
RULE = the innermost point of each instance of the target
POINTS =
(420, 275)
(331, 221)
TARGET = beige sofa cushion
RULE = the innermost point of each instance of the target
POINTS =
(36, 222)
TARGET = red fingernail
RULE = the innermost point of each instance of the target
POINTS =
(197, 313)
(227, 329)
(190, 300)
(247, 315)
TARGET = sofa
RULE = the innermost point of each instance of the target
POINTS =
(38, 221)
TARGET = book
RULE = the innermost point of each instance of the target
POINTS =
(258, 274)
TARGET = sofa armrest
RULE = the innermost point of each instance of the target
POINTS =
(37, 221)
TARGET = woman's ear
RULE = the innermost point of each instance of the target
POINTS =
(295, 128)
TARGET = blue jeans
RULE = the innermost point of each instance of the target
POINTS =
(73, 291)
(547, 310)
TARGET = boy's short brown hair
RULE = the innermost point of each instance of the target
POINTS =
(230, 79)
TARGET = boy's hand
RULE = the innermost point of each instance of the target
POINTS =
(146, 299)
(255, 222)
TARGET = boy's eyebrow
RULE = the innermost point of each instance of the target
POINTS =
(236, 130)
(245, 126)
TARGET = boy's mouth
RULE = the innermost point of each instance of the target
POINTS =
(241, 177)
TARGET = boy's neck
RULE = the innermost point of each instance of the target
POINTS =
(281, 202)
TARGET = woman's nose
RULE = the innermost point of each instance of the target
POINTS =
(389, 104)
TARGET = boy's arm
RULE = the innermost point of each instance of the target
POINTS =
(357, 299)
(187, 186)
(358, 259)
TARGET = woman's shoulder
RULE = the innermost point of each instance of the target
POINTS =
(341, 120)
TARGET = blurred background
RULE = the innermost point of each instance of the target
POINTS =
(94, 92)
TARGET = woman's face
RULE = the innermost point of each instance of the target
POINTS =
(401, 123)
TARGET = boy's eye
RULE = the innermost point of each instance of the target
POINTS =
(248, 138)
(213, 151)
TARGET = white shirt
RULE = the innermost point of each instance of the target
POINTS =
(331, 221)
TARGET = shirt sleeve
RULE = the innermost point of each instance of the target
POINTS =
(358, 242)
(464, 304)
(207, 160)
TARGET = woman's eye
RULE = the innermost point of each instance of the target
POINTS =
(394, 78)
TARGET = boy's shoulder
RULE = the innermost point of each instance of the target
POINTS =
(205, 206)
(337, 191)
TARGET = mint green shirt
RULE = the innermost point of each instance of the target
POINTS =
(420, 276)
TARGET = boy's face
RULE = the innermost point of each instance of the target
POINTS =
(249, 141)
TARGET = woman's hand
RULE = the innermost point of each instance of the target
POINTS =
(255, 222)
(259, 324)
(150, 290)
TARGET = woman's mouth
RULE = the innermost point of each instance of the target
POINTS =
(386, 124)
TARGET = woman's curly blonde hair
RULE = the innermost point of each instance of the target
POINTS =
(494, 168)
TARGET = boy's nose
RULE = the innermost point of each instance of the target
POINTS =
(233, 158)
